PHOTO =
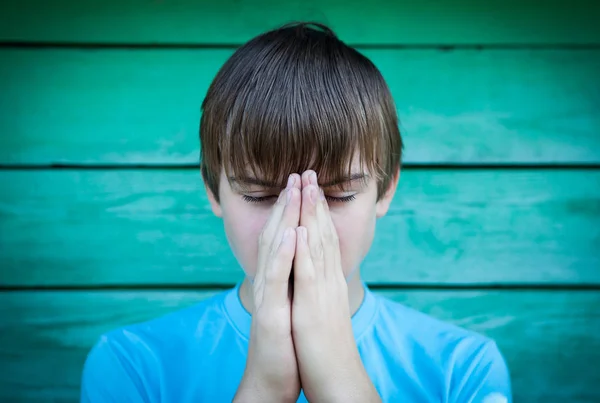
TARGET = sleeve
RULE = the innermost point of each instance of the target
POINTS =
(482, 378)
(111, 373)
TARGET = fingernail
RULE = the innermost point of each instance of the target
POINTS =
(321, 194)
(289, 196)
(313, 178)
(313, 195)
(291, 181)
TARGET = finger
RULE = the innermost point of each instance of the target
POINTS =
(279, 219)
(267, 236)
(291, 212)
(290, 217)
(304, 270)
(278, 270)
(308, 219)
(296, 181)
(329, 237)
(309, 176)
(277, 210)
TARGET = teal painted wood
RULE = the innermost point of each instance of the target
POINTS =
(230, 21)
(155, 227)
(550, 339)
(143, 106)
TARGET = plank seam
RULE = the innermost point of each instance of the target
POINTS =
(372, 285)
(407, 165)
(174, 45)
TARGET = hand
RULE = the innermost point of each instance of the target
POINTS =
(271, 373)
(328, 359)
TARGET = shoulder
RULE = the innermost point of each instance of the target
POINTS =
(426, 330)
(127, 361)
(472, 363)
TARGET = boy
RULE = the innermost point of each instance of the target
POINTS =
(296, 108)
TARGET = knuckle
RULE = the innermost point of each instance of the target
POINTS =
(272, 275)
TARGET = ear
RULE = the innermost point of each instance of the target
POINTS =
(214, 204)
(384, 202)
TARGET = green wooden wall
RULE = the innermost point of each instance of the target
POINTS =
(495, 225)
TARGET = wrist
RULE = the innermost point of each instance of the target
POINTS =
(252, 389)
(364, 393)
(353, 386)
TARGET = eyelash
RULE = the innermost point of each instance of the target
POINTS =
(345, 199)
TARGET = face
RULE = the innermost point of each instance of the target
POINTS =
(245, 208)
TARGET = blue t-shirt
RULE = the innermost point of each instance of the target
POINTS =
(198, 354)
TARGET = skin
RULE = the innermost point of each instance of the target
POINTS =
(302, 337)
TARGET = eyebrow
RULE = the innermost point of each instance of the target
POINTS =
(270, 185)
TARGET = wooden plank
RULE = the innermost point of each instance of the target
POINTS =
(231, 21)
(83, 228)
(549, 339)
(143, 106)
(33, 346)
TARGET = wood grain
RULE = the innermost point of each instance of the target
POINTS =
(143, 106)
(230, 21)
(154, 227)
(548, 338)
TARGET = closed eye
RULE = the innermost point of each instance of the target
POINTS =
(331, 199)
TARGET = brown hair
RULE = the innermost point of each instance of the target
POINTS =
(298, 98)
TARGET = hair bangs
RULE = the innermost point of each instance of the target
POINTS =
(295, 99)
(299, 117)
